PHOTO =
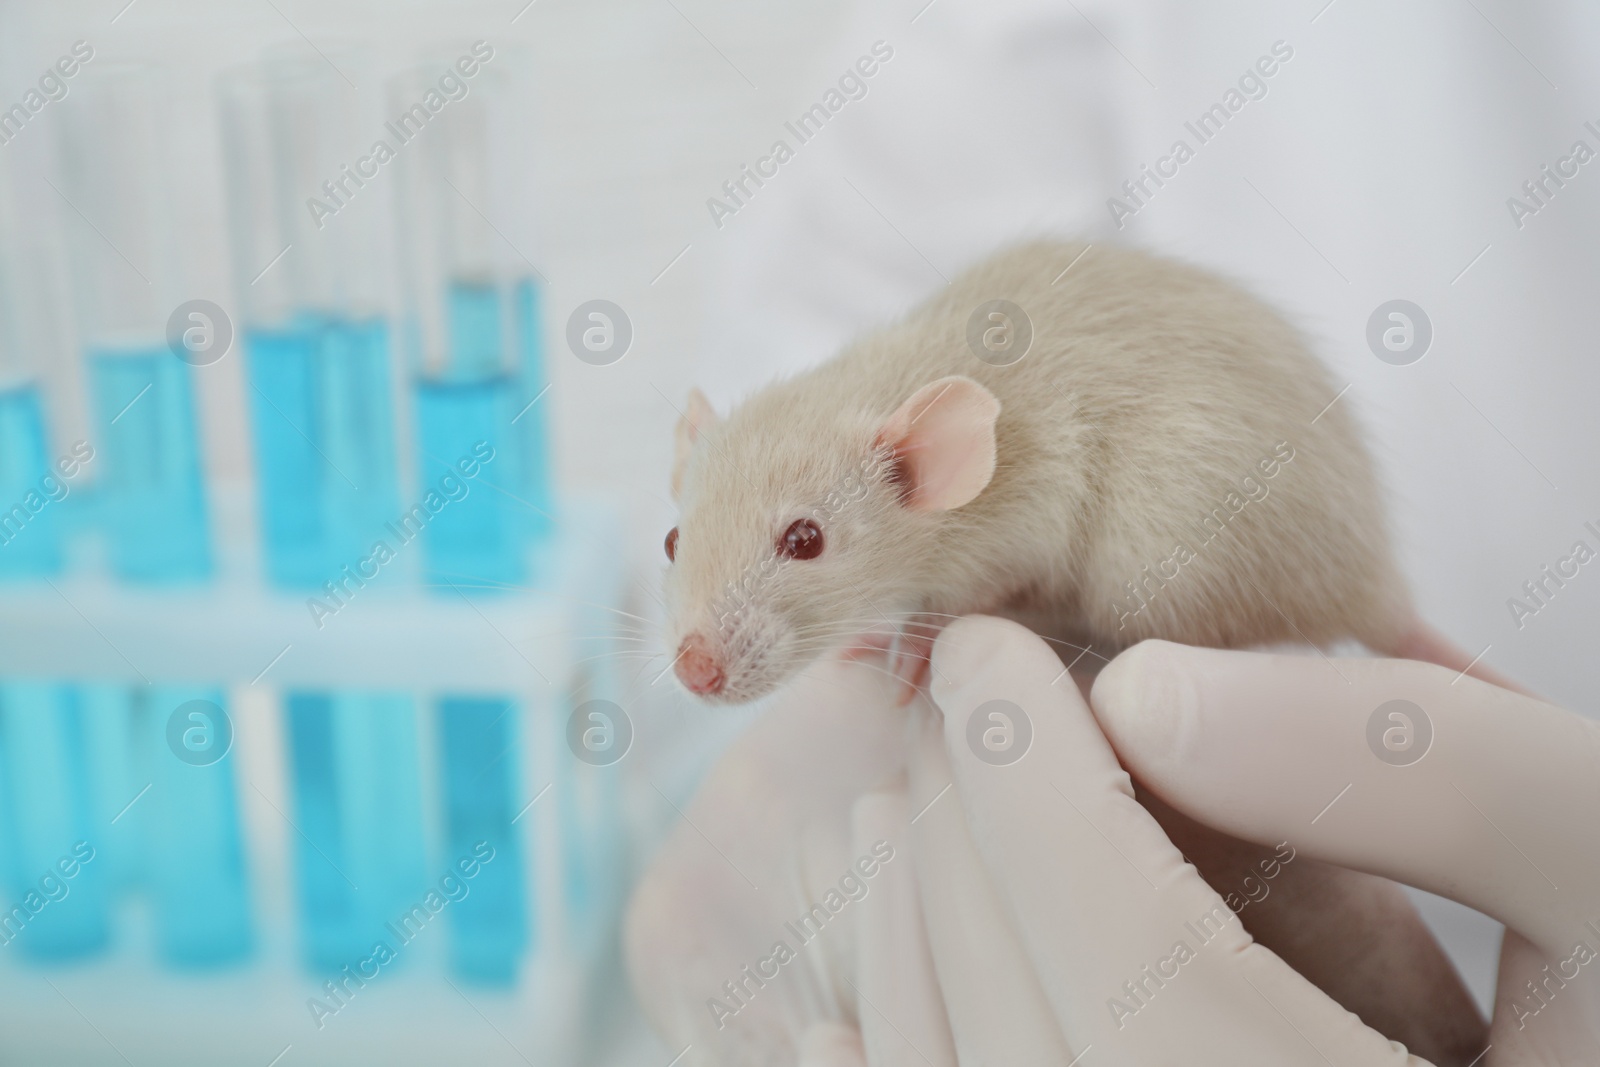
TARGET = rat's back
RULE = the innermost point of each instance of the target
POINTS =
(1169, 464)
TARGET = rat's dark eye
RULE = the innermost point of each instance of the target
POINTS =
(672, 544)
(802, 540)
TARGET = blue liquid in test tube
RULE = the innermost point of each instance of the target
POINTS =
(324, 431)
(485, 400)
(53, 876)
(479, 538)
(289, 471)
(196, 859)
(151, 497)
(30, 521)
(489, 927)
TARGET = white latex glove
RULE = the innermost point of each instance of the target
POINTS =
(766, 837)
(1064, 926)
(1500, 810)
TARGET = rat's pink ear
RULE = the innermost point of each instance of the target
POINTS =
(697, 418)
(943, 443)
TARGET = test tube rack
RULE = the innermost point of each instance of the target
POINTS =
(541, 649)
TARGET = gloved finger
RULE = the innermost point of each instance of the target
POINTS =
(901, 1013)
(998, 1012)
(1388, 766)
(831, 1045)
(1141, 961)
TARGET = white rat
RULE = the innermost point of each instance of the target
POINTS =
(1165, 460)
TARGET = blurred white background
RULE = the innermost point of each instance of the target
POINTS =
(1377, 166)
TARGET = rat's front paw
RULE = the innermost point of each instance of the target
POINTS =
(905, 651)
(911, 653)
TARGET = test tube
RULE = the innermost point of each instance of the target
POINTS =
(479, 771)
(31, 486)
(471, 329)
(305, 243)
(114, 176)
(317, 346)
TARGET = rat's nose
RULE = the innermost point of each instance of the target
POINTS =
(697, 668)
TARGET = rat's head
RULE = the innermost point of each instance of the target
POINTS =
(806, 522)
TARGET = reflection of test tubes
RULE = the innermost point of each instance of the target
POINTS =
(329, 930)
(112, 744)
(359, 864)
(195, 866)
(31, 489)
(113, 172)
(381, 802)
(53, 878)
(471, 331)
(479, 773)
(316, 339)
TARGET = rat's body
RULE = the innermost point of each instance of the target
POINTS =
(1167, 461)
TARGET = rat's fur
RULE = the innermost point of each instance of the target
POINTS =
(1152, 390)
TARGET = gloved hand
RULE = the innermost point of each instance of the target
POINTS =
(768, 837)
(1063, 926)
